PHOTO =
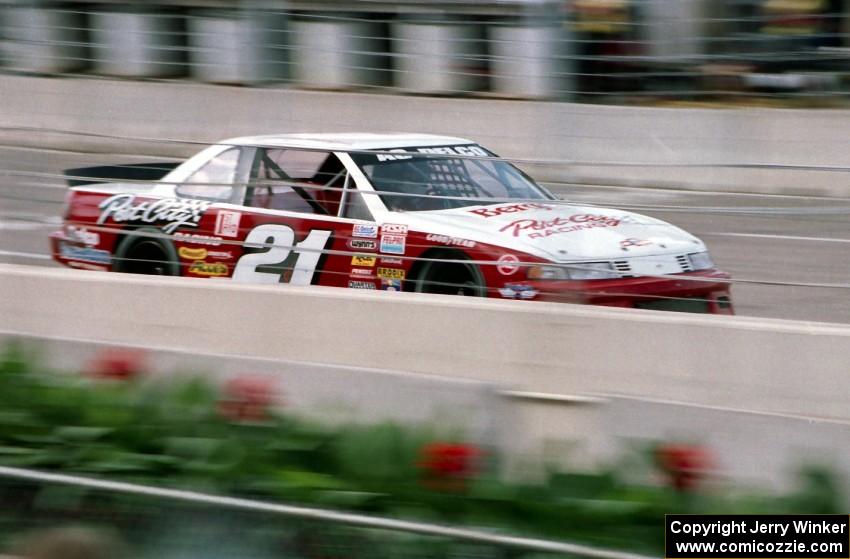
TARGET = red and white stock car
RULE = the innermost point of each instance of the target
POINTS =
(419, 213)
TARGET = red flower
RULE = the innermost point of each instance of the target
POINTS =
(684, 465)
(448, 465)
(248, 398)
(118, 363)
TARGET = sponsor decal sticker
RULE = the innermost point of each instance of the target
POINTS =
(393, 244)
(518, 291)
(363, 272)
(455, 150)
(391, 261)
(360, 260)
(388, 157)
(632, 242)
(362, 244)
(87, 266)
(391, 285)
(539, 229)
(354, 284)
(469, 150)
(82, 235)
(453, 241)
(364, 230)
(393, 229)
(196, 239)
(192, 253)
(507, 264)
(220, 254)
(510, 209)
(213, 269)
(390, 273)
(86, 254)
(175, 212)
(227, 223)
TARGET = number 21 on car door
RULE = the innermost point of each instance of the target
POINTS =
(275, 257)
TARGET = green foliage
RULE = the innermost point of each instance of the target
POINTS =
(171, 433)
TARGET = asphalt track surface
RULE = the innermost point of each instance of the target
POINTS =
(789, 255)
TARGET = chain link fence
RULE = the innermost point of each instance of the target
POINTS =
(610, 51)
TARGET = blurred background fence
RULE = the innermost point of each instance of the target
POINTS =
(609, 51)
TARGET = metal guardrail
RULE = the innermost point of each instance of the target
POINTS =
(514, 542)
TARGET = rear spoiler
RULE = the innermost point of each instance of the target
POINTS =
(118, 173)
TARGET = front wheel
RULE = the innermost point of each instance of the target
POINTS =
(451, 278)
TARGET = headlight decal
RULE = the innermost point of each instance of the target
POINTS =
(701, 261)
(574, 271)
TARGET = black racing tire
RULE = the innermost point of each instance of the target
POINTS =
(140, 254)
(450, 278)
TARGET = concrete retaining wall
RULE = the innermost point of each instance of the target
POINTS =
(563, 132)
(763, 449)
(764, 395)
(734, 362)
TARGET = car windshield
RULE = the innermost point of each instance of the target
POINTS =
(421, 179)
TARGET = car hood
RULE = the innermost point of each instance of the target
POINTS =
(558, 231)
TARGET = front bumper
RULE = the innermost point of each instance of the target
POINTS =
(706, 291)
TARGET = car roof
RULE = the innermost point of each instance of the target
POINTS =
(347, 141)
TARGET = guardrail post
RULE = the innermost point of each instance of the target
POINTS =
(676, 29)
(844, 29)
(527, 61)
(338, 52)
(42, 38)
(439, 55)
(238, 46)
(138, 41)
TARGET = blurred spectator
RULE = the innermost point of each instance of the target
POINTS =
(606, 36)
(796, 28)
(70, 543)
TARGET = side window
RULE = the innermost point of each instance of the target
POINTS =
(214, 180)
(296, 180)
(294, 163)
(355, 206)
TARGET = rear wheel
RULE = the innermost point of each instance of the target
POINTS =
(140, 254)
(450, 278)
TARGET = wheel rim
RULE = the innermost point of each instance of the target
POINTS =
(449, 279)
(146, 257)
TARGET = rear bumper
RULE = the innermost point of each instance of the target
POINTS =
(76, 254)
(706, 291)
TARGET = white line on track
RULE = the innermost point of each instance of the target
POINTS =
(31, 216)
(33, 255)
(24, 226)
(27, 221)
(785, 237)
(686, 192)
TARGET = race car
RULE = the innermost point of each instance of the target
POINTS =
(394, 212)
